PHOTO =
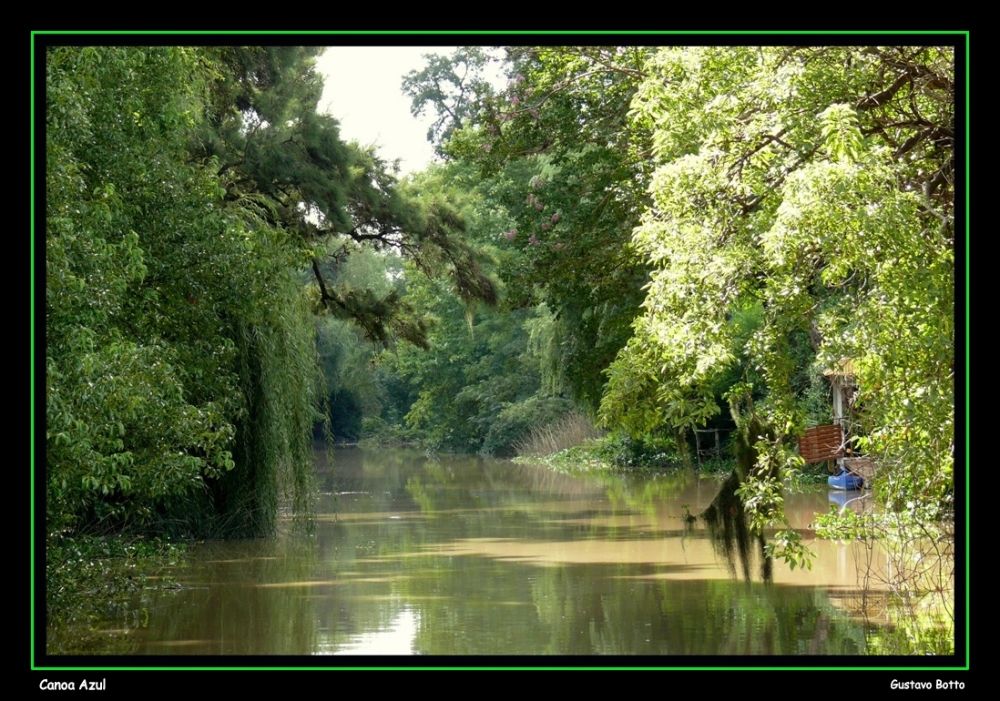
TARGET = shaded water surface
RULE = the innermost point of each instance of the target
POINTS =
(461, 555)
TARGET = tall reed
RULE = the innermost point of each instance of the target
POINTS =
(571, 430)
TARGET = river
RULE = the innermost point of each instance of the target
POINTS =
(460, 555)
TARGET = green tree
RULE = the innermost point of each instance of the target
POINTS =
(280, 156)
(553, 150)
(166, 307)
(818, 184)
(187, 188)
(487, 376)
(353, 381)
(452, 86)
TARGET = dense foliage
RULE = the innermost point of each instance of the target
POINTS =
(553, 197)
(487, 377)
(555, 150)
(189, 192)
(715, 229)
(659, 238)
(817, 184)
(171, 317)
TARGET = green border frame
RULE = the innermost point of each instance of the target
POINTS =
(961, 39)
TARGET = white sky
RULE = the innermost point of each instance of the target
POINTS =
(362, 90)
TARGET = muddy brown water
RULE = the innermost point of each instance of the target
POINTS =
(460, 555)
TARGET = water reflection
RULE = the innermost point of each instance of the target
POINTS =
(466, 556)
(729, 530)
(397, 640)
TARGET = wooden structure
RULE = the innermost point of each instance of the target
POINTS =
(828, 443)
(863, 467)
(708, 451)
(843, 385)
(822, 443)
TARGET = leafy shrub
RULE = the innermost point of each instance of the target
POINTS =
(375, 427)
(624, 451)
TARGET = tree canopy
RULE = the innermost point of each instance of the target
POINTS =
(817, 184)
(648, 239)
(554, 151)
(712, 223)
(187, 192)
(660, 229)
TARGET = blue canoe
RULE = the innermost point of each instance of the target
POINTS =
(845, 480)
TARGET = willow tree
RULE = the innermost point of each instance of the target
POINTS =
(176, 332)
(817, 185)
